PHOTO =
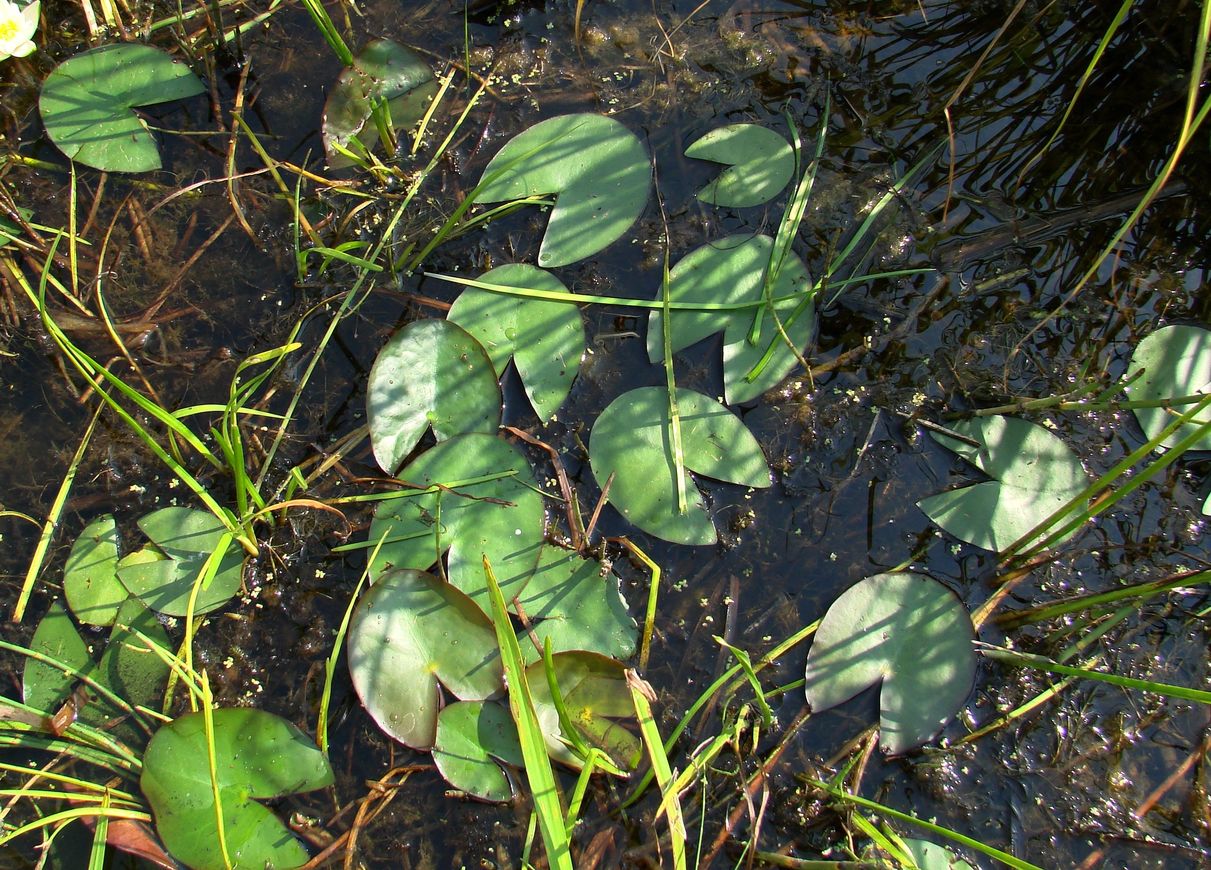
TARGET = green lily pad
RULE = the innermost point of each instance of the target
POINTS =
(906, 632)
(431, 373)
(545, 340)
(163, 574)
(570, 601)
(931, 856)
(759, 164)
(382, 70)
(632, 439)
(90, 578)
(258, 756)
(472, 737)
(10, 230)
(1175, 361)
(597, 700)
(1034, 473)
(501, 517)
(87, 104)
(598, 170)
(731, 271)
(409, 632)
(45, 686)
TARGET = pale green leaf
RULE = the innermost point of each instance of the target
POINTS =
(90, 577)
(1172, 362)
(910, 635)
(598, 170)
(632, 440)
(759, 164)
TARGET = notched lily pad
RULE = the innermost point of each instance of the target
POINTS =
(1034, 474)
(732, 270)
(1172, 362)
(632, 439)
(163, 573)
(597, 169)
(545, 340)
(90, 578)
(382, 70)
(490, 505)
(430, 374)
(759, 164)
(908, 633)
(410, 632)
(473, 739)
(258, 756)
(87, 104)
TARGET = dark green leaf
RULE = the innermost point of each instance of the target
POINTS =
(87, 103)
(409, 632)
(128, 668)
(471, 737)
(759, 164)
(906, 632)
(431, 373)
(44, 686)
(732, 271)
(258, 756)
(632, 440)
(1034, 473)
(383, 70)
(544, 339)
(598, 170)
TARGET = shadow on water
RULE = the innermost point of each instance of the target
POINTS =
(1097, 775)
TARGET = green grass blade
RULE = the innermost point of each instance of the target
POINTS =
(670, 804)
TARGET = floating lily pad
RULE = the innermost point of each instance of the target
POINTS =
(501, 517)
(1034, 474)
(45, 686)
(759, 164)
(472, 738)
(632, 439)
(383, 70)
(598, 170)
(409, 632)
(1175, 361)
(163, 574)
(732, 271)
(431, 373)
(258, 756)
(87, 104)
(90, 578)
(130, 670)
(906, 632)
(571, 601)
(10, 230)
(544, 339)
(597, 700)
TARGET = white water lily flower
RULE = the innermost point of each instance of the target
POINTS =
(17, 28)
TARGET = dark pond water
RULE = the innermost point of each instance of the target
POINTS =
(1098, 777)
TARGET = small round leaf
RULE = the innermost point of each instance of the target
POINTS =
(759, 164)
(471, 737)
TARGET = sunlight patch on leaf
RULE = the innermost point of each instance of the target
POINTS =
(759, 164)
(1172, 362)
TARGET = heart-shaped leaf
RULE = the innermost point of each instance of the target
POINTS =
(544, 339)
(598, 170)
(597, 700)
(488, 504)
(732, 271)
(633, 441)
(87, 104)
(43, 685)
(409, 632)
(90, 578)
(759, 164)
(907, 632)
(431, 373)
(571, 601)
(472, 736)
(258, 756)
(163, 574)
(1034, 473)
(1175, 361)
(383, 70)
